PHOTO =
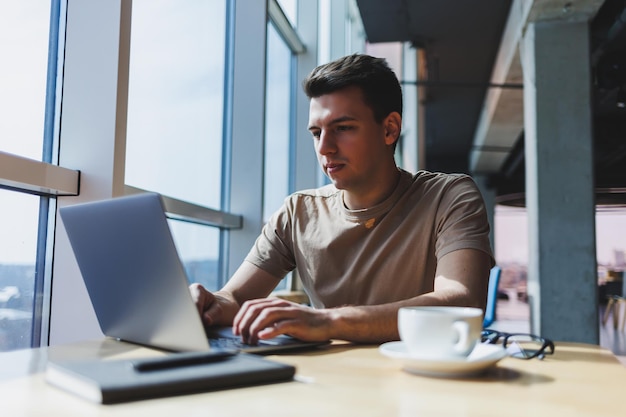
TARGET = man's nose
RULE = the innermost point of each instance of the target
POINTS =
(326, 143)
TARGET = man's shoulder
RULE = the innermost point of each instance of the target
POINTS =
(430, 176)
(303, 203)
(439, 180)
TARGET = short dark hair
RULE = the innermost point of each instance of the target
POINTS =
(379, 84)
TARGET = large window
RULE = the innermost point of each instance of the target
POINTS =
(175, 116)
(198, 248)
(24, 30)
(18, 256)
(197, 100)
(278, 117)
(175, 100)
(278, 122)
(24, 132)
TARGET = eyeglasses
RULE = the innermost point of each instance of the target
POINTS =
(520, 345)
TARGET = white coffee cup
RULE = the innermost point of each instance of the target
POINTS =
(440, 333)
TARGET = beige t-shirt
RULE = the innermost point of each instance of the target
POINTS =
(377, 255)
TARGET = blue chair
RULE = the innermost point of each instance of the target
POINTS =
(492, 296)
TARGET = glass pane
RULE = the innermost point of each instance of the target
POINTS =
(19, 215)
(277, 123)
(198, 247)
(24, 31)
(324, 18)
(175, 104)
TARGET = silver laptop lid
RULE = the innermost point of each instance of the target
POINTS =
(133, 274)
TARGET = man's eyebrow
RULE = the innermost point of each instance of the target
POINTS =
(336, 121)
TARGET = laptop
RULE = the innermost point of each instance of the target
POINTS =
(137, 283)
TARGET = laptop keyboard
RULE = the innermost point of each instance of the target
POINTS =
(227, 343)
(236, 343)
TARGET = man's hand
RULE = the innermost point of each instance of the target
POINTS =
(214, 308)
(269, 317)
(461, 280)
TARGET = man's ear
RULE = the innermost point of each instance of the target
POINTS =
(393, 127)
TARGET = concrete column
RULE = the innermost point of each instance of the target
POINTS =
(559, 181)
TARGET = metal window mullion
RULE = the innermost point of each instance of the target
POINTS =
(193, 213)
(40, 325)
(37, 177)
(284, 28)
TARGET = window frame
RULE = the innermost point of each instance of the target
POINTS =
(88, 90)
(99, 69)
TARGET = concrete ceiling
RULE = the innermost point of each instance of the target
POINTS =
(473, 91)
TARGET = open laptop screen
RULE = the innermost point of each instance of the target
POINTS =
(135, 278)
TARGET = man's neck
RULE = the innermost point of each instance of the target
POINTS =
(355, 200)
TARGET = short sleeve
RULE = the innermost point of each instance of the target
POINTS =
(462, 221)
(273, 249)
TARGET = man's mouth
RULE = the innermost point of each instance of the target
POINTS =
(332, 168)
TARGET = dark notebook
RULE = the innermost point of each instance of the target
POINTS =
(115, 381)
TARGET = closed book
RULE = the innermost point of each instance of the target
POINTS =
(114, 381)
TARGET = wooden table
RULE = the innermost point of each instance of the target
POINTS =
(344, 380)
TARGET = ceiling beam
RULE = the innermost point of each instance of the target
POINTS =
(502, 116)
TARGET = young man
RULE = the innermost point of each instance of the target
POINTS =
(376, 239)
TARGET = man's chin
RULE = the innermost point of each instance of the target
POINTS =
(334, 181)
(339, 181)
(339, 184)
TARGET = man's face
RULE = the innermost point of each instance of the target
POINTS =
(351, 147)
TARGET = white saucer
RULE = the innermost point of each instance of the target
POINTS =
(482, 357)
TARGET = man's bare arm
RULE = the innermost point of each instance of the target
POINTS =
(461, 279)
(220, 307)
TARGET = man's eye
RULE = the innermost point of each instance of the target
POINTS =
(315, 134)
(344, 128)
